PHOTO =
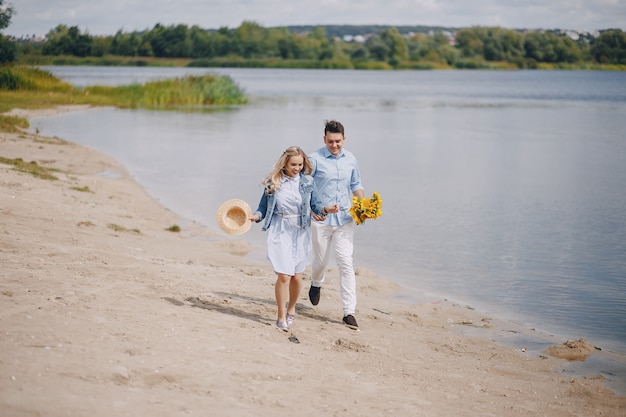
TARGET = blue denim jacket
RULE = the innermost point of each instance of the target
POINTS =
(310, 201)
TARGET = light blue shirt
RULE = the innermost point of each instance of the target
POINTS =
(336, 178)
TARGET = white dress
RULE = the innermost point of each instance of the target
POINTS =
(288, 245)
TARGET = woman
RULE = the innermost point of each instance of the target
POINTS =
(286, 205)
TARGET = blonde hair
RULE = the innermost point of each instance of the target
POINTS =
(273, 180)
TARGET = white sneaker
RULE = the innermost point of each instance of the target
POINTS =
(281, 325)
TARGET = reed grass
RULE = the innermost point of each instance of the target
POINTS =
(107, 60)
(237, 62)
(31, 79)
(84, 189)
(31, 168)
(206, 90)
(26, 87)
(13, 124)
(118, 228)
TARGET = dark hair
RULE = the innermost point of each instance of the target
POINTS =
(333, 126)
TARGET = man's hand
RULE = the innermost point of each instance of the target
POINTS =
(332, 209)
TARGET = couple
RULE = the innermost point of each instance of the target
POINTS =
(299, 188)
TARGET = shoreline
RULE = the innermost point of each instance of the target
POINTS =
(136, 319)
(521, 337)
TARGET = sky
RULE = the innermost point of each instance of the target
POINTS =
(106, 17)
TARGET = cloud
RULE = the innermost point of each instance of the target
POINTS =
(106, 18)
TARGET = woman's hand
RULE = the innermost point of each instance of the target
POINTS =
(255, 218)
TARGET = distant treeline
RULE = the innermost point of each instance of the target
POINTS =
(381, 47)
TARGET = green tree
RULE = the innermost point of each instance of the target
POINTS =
(170, 42)
(222, 42)
(512, 45)
(125, 44)
(437, 49)
(318, 46)
(100, 46)
(610, 47)
(67, 41)
(377, 48)
(417, 45)
(306, 47)
(58, 41)
(398, 50)
(328, 50)
(201, 45)
(274, 38)
(548, 47)
(469, 42)
(318, 33)
(439, 39)
(448, 55)
(6, 13)
(145, 46)
(491, 43)
(359, 53)
(568, 50)
(80, 44)
(287, 48)
(249, 40)
(538, 47)
(311, 46)
(145, 49)
(8, 49)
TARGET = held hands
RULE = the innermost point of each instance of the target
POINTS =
(330, 209)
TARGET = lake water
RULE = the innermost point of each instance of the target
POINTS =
(503, 190)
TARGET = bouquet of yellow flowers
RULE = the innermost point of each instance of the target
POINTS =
(366, 208)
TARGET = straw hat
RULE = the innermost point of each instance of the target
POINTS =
(233, 217)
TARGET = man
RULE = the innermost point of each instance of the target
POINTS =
(337, 177)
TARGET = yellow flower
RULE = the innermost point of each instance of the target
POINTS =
(366, 208)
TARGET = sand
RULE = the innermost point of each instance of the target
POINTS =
(105, 312)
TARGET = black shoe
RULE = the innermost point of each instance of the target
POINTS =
(350, 321)
(314, 295)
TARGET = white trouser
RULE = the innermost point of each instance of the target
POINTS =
(340, 239)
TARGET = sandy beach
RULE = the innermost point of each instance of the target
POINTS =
(106, 312)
